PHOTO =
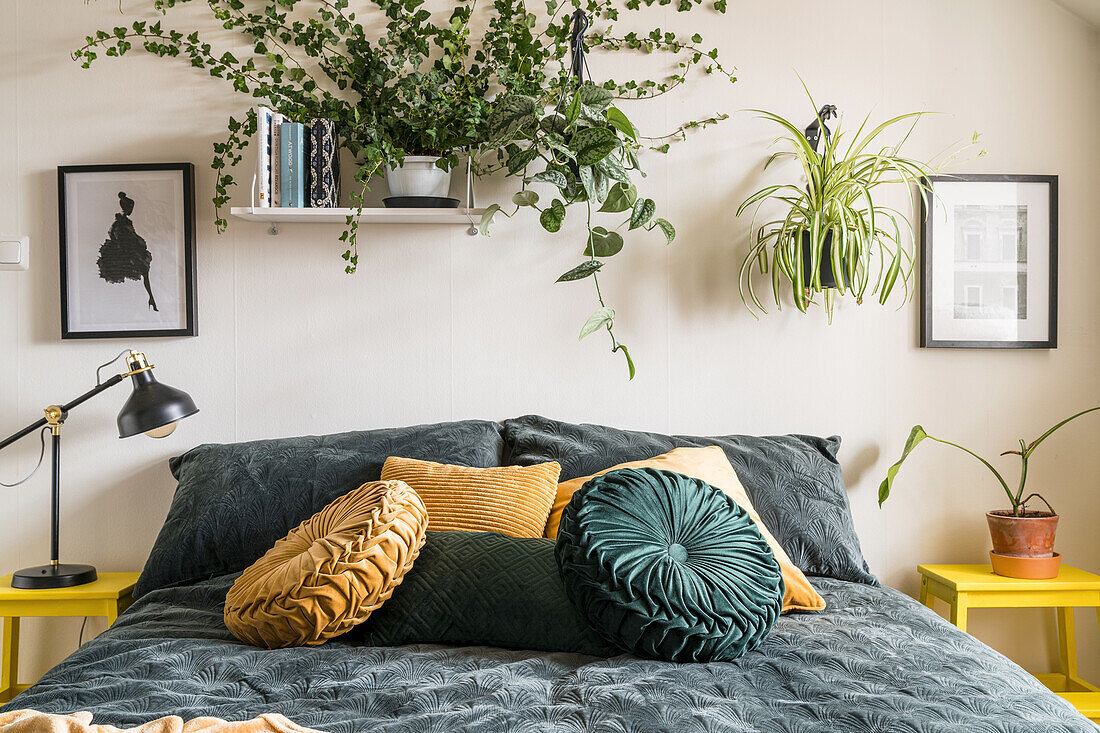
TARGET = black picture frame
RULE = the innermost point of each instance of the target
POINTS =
(927, 337)
(189, 326)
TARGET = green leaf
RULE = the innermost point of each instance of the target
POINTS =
(553, 216)
(603, 183)
(667, 228)
(593, 144)
(588, 181)
(511, 113)
(573, 111)
(602, 318)
(595, 97)
(644, 209)
(915, 438)
(602, 243)
(620, 122)
(581, 271)
(525, 198)
(520, 159)
(614, 170)
(619, 198)
(487, 219)
(629, 361)
(555, 123)
(554, 178)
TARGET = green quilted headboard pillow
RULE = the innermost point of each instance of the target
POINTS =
(668, 567)
(482, 589)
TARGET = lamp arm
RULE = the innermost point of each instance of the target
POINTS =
(22, 433)
(111, 382)
(41, 422)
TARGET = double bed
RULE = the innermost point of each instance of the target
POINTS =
(873, 660)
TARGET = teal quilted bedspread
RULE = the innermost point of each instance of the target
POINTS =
(875, 660)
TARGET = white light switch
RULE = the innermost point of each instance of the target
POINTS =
(14, 253)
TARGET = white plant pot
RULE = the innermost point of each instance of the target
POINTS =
(418, 176)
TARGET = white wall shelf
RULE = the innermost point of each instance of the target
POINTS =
(277, 216)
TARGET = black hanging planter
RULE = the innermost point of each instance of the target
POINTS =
(825, 266)
(814, 132)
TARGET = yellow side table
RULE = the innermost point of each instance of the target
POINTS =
(108, 596)
(976, 586)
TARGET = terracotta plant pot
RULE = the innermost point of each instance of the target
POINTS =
(1030, 535)
(1031, 568)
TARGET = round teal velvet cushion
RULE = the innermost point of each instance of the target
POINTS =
(668, 567)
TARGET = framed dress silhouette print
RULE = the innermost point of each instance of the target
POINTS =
(127, 237)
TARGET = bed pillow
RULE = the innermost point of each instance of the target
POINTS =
(794, 481)
(711, 466)
(482, 589)
(512, 500)
(332, 571)
(234, 501)
(667, 566)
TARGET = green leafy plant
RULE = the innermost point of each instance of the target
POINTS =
(833, 220)
(586, 155)
(399, 80)
(1016, 498)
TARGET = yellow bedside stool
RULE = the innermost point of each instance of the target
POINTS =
(976, 586)
(108, 596)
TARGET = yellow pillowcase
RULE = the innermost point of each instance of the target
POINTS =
(331, 571)
(711, 465)
(512, 500)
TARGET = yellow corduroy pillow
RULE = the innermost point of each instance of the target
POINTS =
(711, 465)
(511, 500)
(331, 571)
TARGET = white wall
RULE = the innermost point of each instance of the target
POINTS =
(439, 326)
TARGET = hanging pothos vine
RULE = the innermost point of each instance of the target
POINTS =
(401, 82)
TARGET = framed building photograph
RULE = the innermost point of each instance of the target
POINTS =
(127, 235)
(990, 262)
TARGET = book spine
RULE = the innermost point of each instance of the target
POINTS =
(276, 160)
(324, 164)
(307, 147)
(298, 178)
(284, 164)
(263, 155)
(290, 152)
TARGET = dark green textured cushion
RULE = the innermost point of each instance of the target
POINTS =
(667, 566)
(794, 481)
(482, 589)
(234, 501)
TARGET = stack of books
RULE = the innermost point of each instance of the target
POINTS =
(298, 164)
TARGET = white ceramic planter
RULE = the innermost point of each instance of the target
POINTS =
(418, 176)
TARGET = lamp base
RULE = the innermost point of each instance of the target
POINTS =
(53, 576)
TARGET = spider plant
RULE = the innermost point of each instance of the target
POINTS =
(833, 224)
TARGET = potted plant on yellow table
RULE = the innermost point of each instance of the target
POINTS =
(1023, 540)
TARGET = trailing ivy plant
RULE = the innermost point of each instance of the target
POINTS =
(832, 236)
(399, 80)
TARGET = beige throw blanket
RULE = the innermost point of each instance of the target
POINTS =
(32, 721)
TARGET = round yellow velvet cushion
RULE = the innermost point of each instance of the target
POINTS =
(331, 571)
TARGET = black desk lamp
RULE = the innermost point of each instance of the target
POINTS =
(153, 409)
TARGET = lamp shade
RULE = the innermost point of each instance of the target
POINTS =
(152, 405)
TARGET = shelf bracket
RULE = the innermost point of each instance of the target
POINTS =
(274, 230)
(472, 231)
